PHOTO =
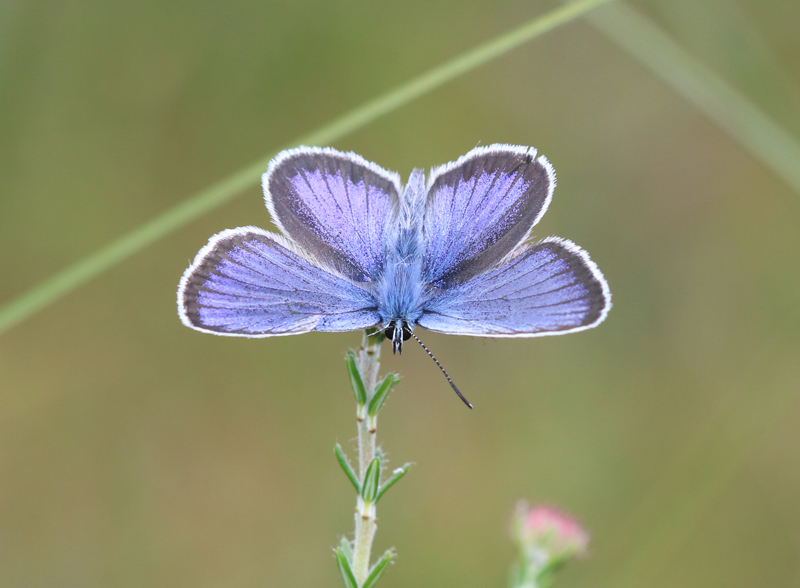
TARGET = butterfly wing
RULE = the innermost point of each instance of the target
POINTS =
(480, 208)
(335, 206)
(251, 283)
(550, 288)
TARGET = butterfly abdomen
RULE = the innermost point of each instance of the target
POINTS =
(400, 293)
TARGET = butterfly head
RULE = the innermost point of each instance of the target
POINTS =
(398, 331)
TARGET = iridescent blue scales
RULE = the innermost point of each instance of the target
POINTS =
(357, 249)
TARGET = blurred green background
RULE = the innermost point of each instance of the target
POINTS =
(136, 452)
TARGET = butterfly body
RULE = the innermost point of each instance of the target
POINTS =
(357, 250)
(400, 297)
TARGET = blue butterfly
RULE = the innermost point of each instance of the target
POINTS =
(357, 249)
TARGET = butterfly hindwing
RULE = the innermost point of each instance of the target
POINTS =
(550, 288)
(335, 206)
(356, 252)
(480, 207)
(251, 283)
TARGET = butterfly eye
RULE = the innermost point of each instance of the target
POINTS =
(406, 333)
(389, 331)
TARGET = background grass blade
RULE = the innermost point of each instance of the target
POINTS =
(643, 40)
(64, 282)
(669, 516)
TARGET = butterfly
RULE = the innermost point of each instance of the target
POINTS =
(357, 249)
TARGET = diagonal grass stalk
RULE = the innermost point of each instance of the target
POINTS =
(64, 282)
(656, 537)
(754, 130)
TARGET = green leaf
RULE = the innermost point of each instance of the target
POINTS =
(369, 491)
(377, 336)
(378, 569)
(355, 379)
(344, 569)
(347, 548)
(396, 475)
(381, 392)
(348, 469)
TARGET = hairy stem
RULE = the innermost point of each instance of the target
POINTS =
(368, 361)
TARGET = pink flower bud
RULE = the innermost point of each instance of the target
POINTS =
(546, 529)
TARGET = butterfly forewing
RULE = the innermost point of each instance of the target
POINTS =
(250, 283)
(480, 208)
(335, 206)
(450, 258)
(550, 288)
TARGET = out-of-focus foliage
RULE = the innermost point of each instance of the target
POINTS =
(136, 452)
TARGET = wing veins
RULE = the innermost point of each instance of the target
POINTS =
(306, 282)
(282, 264)
(536, 284)
(509, 266)
(311, 190)
(489, 190)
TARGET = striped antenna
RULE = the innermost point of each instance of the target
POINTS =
(460, 395)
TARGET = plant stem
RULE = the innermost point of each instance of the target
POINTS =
(368, 361)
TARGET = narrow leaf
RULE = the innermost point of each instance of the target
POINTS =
(378, 569)
(369, 491)
(396, 475)
(381, 392)
(344, 569)
(355, 379)
(376, 336)
(347, 548)
(348, 469)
